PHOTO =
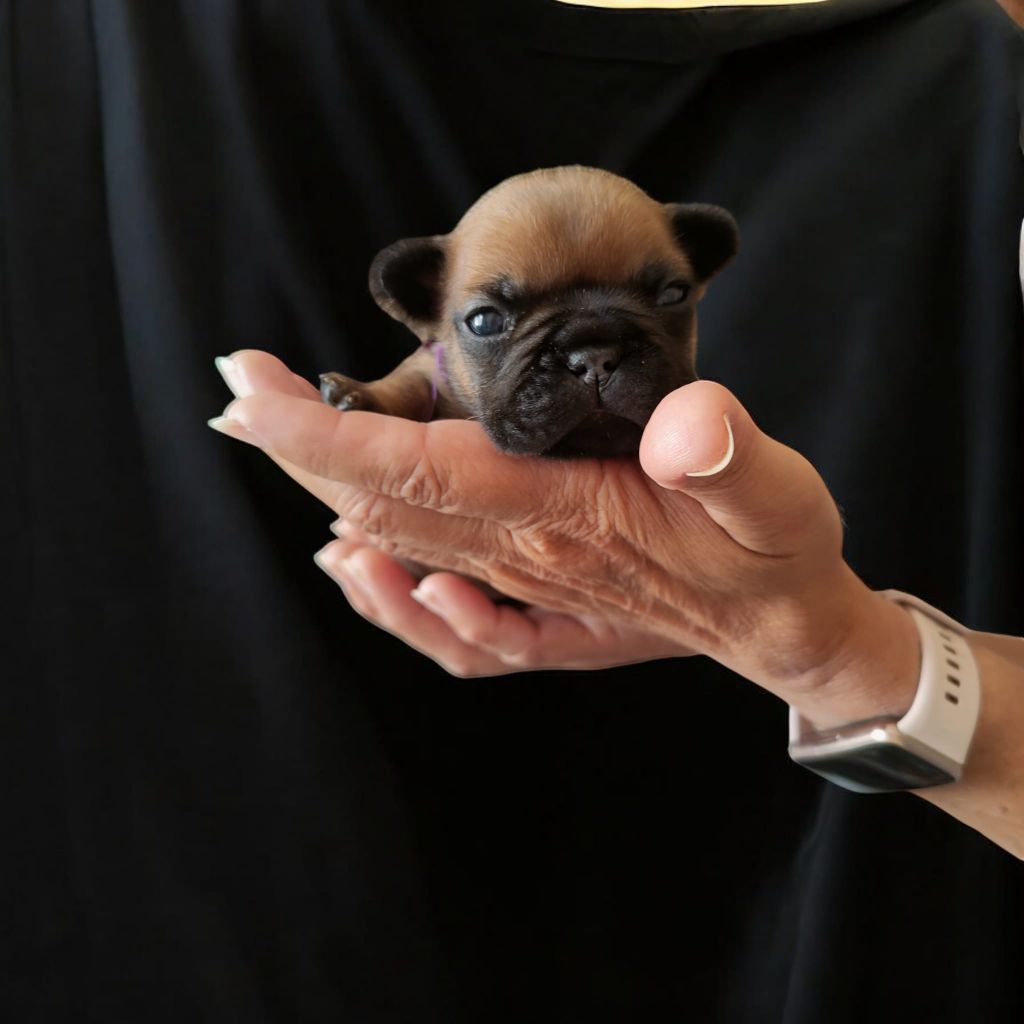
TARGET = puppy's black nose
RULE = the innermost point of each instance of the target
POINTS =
(594, 364)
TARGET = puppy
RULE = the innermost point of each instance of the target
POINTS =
(557, 314)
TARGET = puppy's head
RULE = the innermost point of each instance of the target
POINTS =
(565, 302)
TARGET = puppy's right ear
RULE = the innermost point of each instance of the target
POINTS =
(407, 280)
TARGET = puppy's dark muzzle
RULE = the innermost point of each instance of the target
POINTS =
(593, 349)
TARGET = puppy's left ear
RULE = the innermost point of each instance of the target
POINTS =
(707, 234)
(407, 280)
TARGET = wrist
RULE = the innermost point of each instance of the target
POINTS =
(866, 663)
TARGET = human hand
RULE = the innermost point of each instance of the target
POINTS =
(720, 540)
(444, 615)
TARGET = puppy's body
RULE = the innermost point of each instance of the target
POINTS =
(558, 313)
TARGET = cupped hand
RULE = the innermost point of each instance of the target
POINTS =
(718, 540)
(444, 615)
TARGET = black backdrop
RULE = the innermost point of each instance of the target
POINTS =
(225, 797)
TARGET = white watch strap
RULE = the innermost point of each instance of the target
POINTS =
(945, 708)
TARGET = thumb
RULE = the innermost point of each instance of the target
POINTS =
(767, 497)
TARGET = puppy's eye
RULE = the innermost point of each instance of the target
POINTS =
(486, 322)
(673, 294)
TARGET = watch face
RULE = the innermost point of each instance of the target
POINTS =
(877, 767)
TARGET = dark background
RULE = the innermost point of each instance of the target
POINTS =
(225, 797)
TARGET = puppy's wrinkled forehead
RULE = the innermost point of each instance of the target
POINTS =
(555, 228)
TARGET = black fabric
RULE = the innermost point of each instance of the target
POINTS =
(225, 796)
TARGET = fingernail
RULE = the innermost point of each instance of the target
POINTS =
(338, 528)
(345, 572)
(232, 428)
(233, 376)
(321, 561)
(428, 600)
(355, 572)
(726, 459)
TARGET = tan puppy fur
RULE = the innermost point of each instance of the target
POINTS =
(558, 312)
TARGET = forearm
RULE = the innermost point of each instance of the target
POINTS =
(990, 794)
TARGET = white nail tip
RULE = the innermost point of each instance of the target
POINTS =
(424, 599)
(231, 374)
(726, 459)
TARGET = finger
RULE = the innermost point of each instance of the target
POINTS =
(536, 638)
(331, 559)
(249, 370)
(444, 539)
(394, 527)
(447, 465)
(475, 548)
(472, 548)
(766, 496)
(391, 524)
(379, 589)
(348, 531)
(499, 629)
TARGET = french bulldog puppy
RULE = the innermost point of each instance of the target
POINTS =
(557, 314)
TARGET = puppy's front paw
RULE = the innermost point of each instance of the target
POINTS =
(345, 393)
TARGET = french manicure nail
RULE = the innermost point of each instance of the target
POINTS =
(726, 459)
(233, 376)
(232, 428)
(355, 572)
(429, 601)
(321, 560)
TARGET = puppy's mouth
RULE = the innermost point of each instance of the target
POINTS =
(558, 415)
(600, 435)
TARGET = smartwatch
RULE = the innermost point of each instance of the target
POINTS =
(928, 745)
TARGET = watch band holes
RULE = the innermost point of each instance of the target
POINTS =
(952, 698)
(952, 664)
(953, 680)
(944, 635)
(950, 650)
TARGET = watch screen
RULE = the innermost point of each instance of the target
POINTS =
(882, 766)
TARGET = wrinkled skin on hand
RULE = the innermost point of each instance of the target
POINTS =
(616, 560)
